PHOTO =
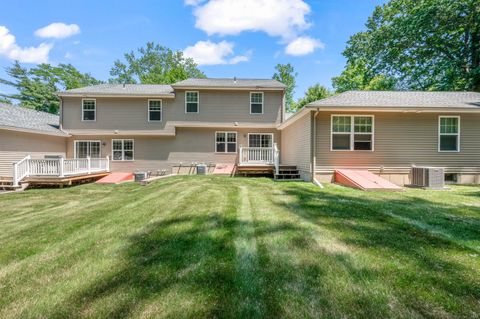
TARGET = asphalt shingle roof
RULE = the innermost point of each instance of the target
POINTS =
(121, 89)
(230, 83)
(399, 99)
(28, 119)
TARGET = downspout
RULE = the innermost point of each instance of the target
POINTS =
(313, 160)
(61, 124)
(61, 113)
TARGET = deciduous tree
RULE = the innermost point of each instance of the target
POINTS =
(285, 73)
(417, 44)
(154, 64)
(36, 87)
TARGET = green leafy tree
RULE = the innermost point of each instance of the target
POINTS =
(417, 44)
(154, 64)
(36, 87)
(357, 76)
(314, 93)
(286, 74)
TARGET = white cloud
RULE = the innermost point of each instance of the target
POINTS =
(280, 18)
(210, 53)
(11, 50)
(303, 46)
(58, 30)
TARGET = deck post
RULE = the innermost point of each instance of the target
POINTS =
(108, 164)
(89, 165)
(15, 174)
(61, 166)
(28, 165)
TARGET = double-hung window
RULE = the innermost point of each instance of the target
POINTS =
(449, 134)
(256, 102)
(122, 150)
(352, 133)
(191, 102)
(89, 109)
(154, 110)
(226, 142)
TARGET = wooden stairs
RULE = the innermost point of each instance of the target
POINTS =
(285, 172)
(6, 184)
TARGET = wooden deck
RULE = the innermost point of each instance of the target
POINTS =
(63, 181)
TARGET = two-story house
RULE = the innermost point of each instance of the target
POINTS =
(241, 123)
(157, 127)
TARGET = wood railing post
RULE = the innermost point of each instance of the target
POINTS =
(28, 165)
(61, 166)
(89, 165)
(108, 164)
(15, 174)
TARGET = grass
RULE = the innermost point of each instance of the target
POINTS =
(236, 247)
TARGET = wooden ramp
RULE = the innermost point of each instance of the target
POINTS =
(116, 178)
(363, 180)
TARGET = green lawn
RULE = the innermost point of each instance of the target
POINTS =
(237, 247)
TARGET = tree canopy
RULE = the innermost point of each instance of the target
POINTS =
(154, 64)
(286, 74)
(36, 86)
(416, 44)
(314, 93)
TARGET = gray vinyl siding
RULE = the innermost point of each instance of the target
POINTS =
(402, 140)
(190, 145)
(126, 113)
(16, 145)
(296, 145)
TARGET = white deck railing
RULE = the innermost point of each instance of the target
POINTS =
(58, 167)
(259, 155)
(20, 170)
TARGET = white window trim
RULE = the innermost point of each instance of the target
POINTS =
(263, 103)
(75, 146)
(123, 150)
(94, 111)
(248, 138)
(457, 134)
(198, 102)
(352, 132)
(226, 138)
(161, 110)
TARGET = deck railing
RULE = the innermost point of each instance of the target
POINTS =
(20, 170)
(258, 155)
(58, 167)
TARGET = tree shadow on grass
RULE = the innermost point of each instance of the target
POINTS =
(179, 267)
(426, 252)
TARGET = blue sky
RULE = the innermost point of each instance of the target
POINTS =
(242, 38)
